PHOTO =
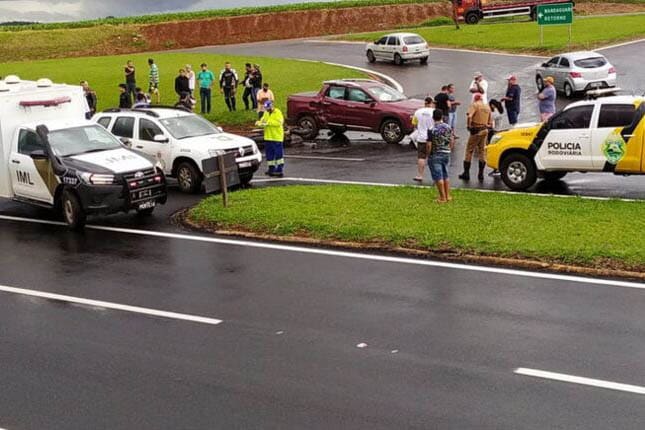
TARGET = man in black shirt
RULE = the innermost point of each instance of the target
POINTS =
(90, 96)
(125, 102)
(442, 103)
(512, 99)
(130, 78)
(182, 83)
(228, 82)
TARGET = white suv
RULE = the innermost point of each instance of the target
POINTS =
(398, 47)
(180, 141)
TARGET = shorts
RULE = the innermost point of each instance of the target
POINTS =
(438, 164)
(422, 150)
(153, 87)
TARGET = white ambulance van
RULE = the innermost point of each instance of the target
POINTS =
(51, 156)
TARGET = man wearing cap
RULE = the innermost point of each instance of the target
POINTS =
(480, 120)
(479, 85)
(546, 99)
(272, 121)
(512, 99)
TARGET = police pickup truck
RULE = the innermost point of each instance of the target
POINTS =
(51, 156)
(603, 135)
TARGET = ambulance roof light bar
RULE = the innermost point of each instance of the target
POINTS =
(46, 103)
(12, 80)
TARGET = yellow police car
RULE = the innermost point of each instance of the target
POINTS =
(603, 135)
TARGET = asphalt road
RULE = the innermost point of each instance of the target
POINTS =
(397, 164)
(442, 344)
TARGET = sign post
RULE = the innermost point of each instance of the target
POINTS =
(554, 14)
(220, 173)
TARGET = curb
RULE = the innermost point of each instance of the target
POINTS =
(441, 255)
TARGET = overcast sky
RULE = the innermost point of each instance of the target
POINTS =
(69, 10)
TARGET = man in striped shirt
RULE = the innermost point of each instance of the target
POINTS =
(153, 78)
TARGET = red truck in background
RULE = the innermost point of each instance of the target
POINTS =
(472, 11)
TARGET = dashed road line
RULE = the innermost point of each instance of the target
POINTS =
(110, 305)
(571, 379)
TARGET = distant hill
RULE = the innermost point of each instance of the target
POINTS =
(17, 23)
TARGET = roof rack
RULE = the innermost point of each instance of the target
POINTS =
(352, 80)
(146, 110)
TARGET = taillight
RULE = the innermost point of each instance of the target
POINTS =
(575, 74)
(612, 70)
(405, 49)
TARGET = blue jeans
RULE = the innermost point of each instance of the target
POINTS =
(438, 164)
(452, 120)
(512, 116)
(274, 155)
(205, 95)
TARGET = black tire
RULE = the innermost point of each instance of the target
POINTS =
(539, 82)
(472, 17)
(73, 213)
(308, 127)
(245, 179)
(568, 91)
(371, 57)
(518, 172)
(423, 60)
(553, 176)
(392, 131)
(189, 178)
(145, 212)
(398, 60)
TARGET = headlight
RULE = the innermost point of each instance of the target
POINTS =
(96, 179)
(496, 139)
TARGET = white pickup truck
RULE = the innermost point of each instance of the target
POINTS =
(51, 156)
(180, 141)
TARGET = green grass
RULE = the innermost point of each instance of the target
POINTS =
(105, 73)
(214, 13)
(569, 230)
(588, 33)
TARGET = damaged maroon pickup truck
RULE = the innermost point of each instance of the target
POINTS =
(353, 104)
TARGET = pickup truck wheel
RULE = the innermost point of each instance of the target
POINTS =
(539, 82)
(308, 127)
(73, 212)
(188, 178)
(398, 60)
(245, 179)
(518, 172)
(391, 131)
(371, 57)
(423, 60)
(553, 176)
(472, 17)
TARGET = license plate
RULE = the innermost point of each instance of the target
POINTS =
(147, 205)
(245, 164)
(145, 193)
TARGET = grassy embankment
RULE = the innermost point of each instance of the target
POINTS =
(105, 73)
(588, 33)
(600, 234)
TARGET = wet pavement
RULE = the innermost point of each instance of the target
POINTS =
(305, 341)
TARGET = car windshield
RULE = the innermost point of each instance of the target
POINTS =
(80, 140)
(591, 63)
(183, 127)
(413, 40)
(385, 94)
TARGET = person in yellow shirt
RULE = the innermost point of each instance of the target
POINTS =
(272, 121)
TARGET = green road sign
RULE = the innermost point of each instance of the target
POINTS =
(555, 14)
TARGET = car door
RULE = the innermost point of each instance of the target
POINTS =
(33, 179)
(334, 105)
(380, 47)
(123, 127)
(608, 146)
(567, 145)
(550, 68)
(144, 141)
(561, 74)
(391, 47)
(361, 112)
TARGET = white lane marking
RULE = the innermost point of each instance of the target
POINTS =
(315, 157)
(110, 305)
(385, 184)
(562, 377)
(620, 45)
(347, 254)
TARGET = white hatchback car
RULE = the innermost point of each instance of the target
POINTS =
(398, 47)
(575, 72)
(180, 141)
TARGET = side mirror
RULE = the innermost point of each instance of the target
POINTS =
(127, 142)
(220, 129)
(160, 138)
(545, 65)
(38, 154)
